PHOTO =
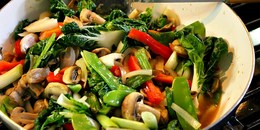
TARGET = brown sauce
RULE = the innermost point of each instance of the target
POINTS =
(207, 110)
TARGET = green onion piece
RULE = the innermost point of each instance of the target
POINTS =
(45, 50)
(8, 105)
(149, 120)
(124, 123)
(81, 122)
(105, 121)
(10, 76)
(142, 59)
(92, 60)
(75, 88)
(186, 116)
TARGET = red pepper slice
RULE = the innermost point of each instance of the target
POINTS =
(116, 71)
(146, 39)
(6, 66)
(55, 78)
(48, 33)
(153, 93)
(162, 77)
(18, 51)
(68, 126)
(133, 63)
(189, 83)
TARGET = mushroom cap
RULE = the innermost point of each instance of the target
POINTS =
(37, 75)
(40, 105)
(54, 89)
(88, 17)
(72, 75)
(21, 117)
(27, 41)
(129, 105)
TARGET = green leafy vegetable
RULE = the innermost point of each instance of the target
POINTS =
(174, 125)
(20, 29)
(152, 19)
(164, 37)
(115, 14)
(86, 4)
(59, 9)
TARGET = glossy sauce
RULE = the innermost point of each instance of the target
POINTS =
(208, 110)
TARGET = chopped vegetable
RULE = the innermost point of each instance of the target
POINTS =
(142, 59)
(18, 51)
(81, 122)
(48, 33)
(133, 63)
(55, 78)
(162, 77)
(124, 123)
(149, 120)
(105, 121)
(115, 97)
(182, 97)
(115, 71)
(10, 76)
(153, 93)
(75, 88)
(155, 46)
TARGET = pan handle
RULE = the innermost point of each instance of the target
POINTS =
(242, 1)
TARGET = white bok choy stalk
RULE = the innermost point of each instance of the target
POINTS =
(84, 75)
(10, 76)
(42, 25)
(109, 60)
(172, 62)
(186, 116)
(137, 72)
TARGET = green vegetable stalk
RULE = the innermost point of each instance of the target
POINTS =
(45, 50)
(142, 59)
(81, 122)
(105, 121)
(169, 98)
(124, 123)
(7, 104)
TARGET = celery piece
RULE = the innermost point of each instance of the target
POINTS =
(149, 120)
(10, 76)
(45, 50)
(92, 60)
(81, 122)
(124, 123)
(105, 121)
(75, 88)
(142, 59)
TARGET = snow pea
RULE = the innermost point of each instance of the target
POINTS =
(115, 97)
(182, 97)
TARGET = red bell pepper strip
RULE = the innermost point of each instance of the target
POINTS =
(55, 78)
(48, 33)
(18, 51)
(116, 71)
(68, 126)
(146, 39)
(163, 78)
(133, 63)
(153, 93)
(6, 66)
(63, 70)
(152, 31)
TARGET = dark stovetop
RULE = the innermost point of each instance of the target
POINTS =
(247, 115)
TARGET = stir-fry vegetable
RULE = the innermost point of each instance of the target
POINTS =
(86, 71)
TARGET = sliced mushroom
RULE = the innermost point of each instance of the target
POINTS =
(37, 75)
(53, 90)
(73, 5)
(88, 17)
(21, 117)
(27, 41)
(179, 49)
(16, 98)
(193, 94)
(101, 51)
(37, 89)
(166, 28)
(73, 19)
(129, 106)
(9, 91)
(72, 75)
(40, 105)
